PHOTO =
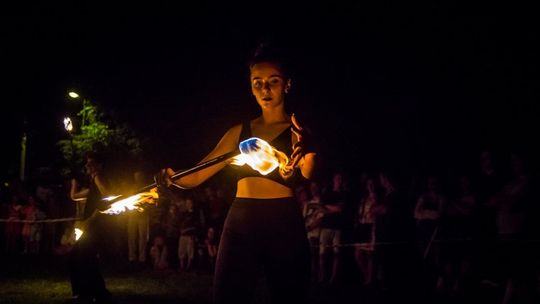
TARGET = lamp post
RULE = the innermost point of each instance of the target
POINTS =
(75, 95)
(68, 125)
(24, 143)
(22, 166)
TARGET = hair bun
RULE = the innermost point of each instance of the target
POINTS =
(270, 51)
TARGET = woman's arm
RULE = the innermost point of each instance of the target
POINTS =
(228, 143)
(308, 165)
(77, 194)
(419, 209)
(102, 185)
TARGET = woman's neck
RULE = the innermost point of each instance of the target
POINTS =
(277, 115)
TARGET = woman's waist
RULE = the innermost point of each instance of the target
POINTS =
(265, 217)
(289, 200)
(262, 188)
(265, 209)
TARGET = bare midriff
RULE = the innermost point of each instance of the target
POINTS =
(262, 188)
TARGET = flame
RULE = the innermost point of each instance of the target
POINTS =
(78, 234)
(133, 202)
(260, 156)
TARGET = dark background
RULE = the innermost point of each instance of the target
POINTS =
(418, 85)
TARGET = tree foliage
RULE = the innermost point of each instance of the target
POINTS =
(95, 133)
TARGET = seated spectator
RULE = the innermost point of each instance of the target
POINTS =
(158, 253)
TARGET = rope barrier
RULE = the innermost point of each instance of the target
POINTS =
(67, 219)
(369, 245)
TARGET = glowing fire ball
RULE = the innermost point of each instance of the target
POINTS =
(258, 154)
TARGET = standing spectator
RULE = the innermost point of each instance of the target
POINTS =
(302, 195)
(211, 244)
(50, 234)
(189, 225)
(457, 226)
(14, 229)
(171, 228)
(30, 213)
(159, 253)
(489, 183)
(138, 228)
(427, 213)
(512, 205)
(217, 207)
(331, 227)
(364, 231)
(394, 231)
(313, 214)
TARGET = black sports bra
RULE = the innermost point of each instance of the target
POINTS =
(282, 143)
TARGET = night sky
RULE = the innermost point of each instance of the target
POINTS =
(416, 85)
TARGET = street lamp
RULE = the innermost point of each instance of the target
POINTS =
(75, 95)
(22, 166)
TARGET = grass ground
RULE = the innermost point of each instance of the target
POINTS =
(44, 280)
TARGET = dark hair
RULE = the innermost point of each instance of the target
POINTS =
(393, 176)
(96, 156)
(272, 53)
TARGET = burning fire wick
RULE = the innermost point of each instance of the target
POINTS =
(260, 156)
(133, 202)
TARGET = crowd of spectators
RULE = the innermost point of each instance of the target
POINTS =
(400, 234)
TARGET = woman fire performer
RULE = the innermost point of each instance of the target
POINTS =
(87, 283)
(264, 229)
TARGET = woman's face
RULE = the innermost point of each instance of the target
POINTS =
(92, 166)
(268, 84)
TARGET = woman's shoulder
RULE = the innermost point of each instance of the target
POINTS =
(236, 128)
(234, 132)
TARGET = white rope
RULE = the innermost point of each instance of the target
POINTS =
(369, 245)
(67, 219)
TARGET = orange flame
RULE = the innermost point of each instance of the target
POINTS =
(260, 155)
(133, 202)
(78, 233)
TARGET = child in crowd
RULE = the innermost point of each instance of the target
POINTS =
(158, 253)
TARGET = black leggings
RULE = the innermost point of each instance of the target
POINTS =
(268, 236)
(83, 264)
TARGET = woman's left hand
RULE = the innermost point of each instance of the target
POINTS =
(304, 144)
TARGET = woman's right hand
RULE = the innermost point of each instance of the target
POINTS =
(163, 178)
